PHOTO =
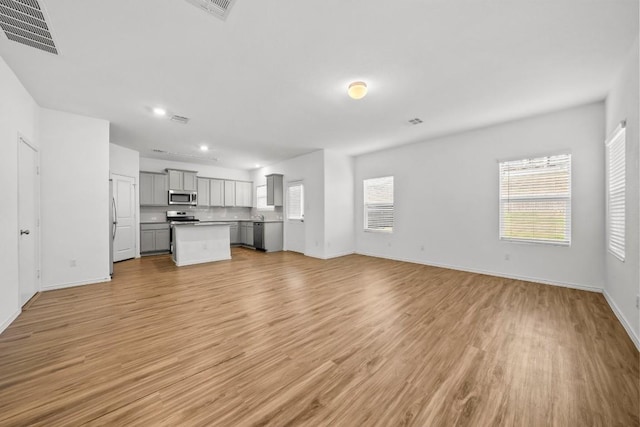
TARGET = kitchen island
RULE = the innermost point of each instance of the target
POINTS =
(198, 242)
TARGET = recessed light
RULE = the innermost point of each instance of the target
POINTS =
(257, 165)
(159, 111)
(204, 148)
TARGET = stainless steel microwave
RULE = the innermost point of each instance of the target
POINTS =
(177, 197)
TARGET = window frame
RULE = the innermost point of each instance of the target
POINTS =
(568, 198)
(264, 207)
(365, 206)
(288, 206)
(618, 136)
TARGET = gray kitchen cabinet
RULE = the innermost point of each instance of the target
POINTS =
(244, 194)
(246, 233)
(275, 189)
(182, 180)
(153, 189)
(216, 192)
(203, 191)
(234, 233)
(273, 236)
(154, 238)
(229, 193)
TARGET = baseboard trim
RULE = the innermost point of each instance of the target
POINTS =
(74, 284)
(623, 320)
(331, 256)
(10, 320)
(493, 273)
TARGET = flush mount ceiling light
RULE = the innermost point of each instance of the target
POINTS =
(357, 90)
(160, 112)
(204, 148)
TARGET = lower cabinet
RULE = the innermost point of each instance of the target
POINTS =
(154, 238)
(234, 233)
(246, 233)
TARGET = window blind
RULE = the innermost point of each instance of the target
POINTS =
(261, 199)
(378, 204)
(295, 201)
(535, 200)
(615, 149)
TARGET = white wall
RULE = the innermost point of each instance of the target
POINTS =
(623, 278)
(446, 199)
(75, 199)
(124, 161)
(18, 115)
(207, 171)
(310, 169)
(338, 205)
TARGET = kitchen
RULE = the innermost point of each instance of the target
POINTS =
(176, 203)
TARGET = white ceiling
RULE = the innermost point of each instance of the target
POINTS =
(270, 82)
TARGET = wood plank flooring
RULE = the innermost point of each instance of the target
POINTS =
(280, 339)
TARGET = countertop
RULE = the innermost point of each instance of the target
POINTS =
(217, 220)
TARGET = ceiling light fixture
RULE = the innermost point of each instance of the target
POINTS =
(159, 111)
(357, 90)
(257, 165)
(204, 148)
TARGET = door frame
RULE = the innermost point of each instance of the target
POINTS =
(287, 221)
(136, 211)
(37, 240)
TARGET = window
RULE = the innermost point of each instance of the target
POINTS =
(615, 148)
(261, 199)
(535, 200)
(295, 201)
(378, 204)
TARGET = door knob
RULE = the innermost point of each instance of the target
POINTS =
(24, 232)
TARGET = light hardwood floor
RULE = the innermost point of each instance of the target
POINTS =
(285, 340)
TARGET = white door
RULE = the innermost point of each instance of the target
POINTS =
(295, 230)
(28, 218)
(124, 244)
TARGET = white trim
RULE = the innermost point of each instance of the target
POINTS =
(10, 320)
(73, 284)
(493, 273)
(623, 320)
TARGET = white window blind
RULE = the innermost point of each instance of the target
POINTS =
(295, 201)
(378, 204)
(261, 199)
(615, 149)
(535, 200)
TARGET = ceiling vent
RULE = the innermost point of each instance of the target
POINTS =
(191, 156)
(25, 22)
(415, 121)
(178, 119)
(217, 8)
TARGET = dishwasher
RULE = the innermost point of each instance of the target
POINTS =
(258, 236)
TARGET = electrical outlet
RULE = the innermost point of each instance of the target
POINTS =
(72, 263)
(507, 257)
(637, 301)
(422, 248)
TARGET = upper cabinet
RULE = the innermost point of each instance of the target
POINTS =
(203, 192)
(244, 194)
(229, 193)
(182, 180)
(275, 190)
(216, 192)
(153, 189)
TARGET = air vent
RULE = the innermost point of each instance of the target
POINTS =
(180, 119)
(192, 156)
(217, 8)
(25, 22)
(415, 121)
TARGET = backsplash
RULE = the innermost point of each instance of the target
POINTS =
(159, 214)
